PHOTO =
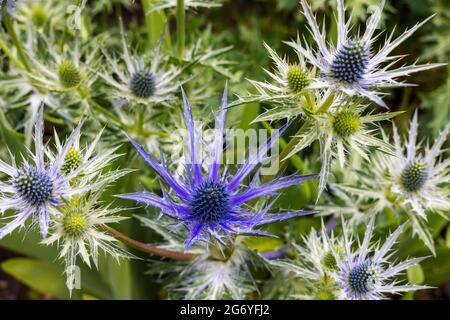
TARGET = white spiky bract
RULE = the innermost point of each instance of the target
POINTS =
(211, 279)
(287, 102)
(59, 188)
(367, 273)
(164, 77)
(90, 239)
(376, 70)
(359, 137)
(358, 270)
(432, 195)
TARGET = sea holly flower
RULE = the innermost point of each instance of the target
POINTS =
(366, 273)
(38, 12)
(36, 189)
(79, 232)
(139, 83)
(212, 279)
(85, 164)
(314, 265)
(342, 129)
(353, 66)
(211, 204)
(288, 81)
(409, 181)
(69, 70)
(416, 179)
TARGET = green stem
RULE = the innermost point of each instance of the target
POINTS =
(148, 248)
(16, 42)
(4, 47)
(155, 23)
(326, 104)
(181, 28)
(108, 114)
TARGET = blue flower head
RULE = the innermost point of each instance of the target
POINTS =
(211, 203)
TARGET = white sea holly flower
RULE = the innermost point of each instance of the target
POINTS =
(139, 83)
(79, 232)
(41, 13)
(342, 129)
(367, 272)
(85, 164)
(213, 279)
(411, 181)
(35, 189)
(314, 265)
(288, 81)
(353, 66)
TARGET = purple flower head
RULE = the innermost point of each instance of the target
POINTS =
(212, 203)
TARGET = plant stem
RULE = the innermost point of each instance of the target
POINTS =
(4, 47)
(148, 248)
(16, 42)
(154, 23)
(181, 28)
(108, 114)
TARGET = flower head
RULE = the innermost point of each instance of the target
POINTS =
(288, 82)
(209, 204)
(36, 189)
(353, 67)
(79, 232)
(213, 279)
(139, 83)
(366, 273)
(342, 129)
(415, 178)
(315, 265)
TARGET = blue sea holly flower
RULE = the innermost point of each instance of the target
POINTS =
(211, 204)
(353, 67)
(35, 189)
(366, 273)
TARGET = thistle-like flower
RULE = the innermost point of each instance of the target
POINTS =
(85, 164)
(366, 273)
(213, 279)
(416, 180)
(69, 71)
(285, 89)
(138, 83)
(36, 189)
(352, 67)
(211, 205)
(79, 232)
(38, 12)
(315, 265)
(340, 130)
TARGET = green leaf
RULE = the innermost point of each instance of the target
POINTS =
(155, 22)
(29, 245)
(38, 275)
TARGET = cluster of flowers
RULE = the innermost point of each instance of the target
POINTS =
(207, 207)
